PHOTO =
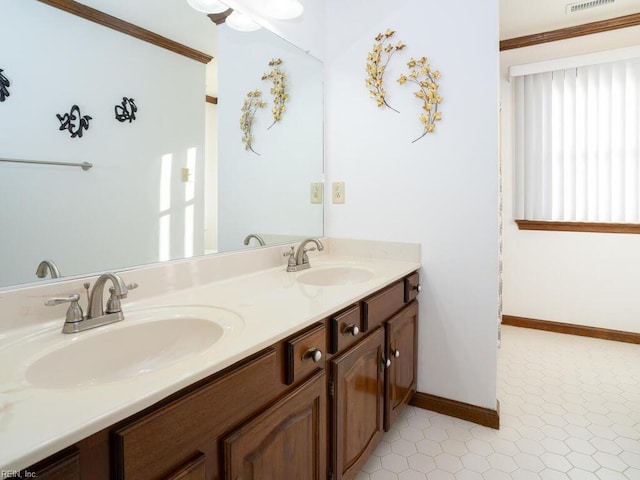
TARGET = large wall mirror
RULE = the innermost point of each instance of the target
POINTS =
(174, 182)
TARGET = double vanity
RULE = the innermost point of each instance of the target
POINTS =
(223, 367)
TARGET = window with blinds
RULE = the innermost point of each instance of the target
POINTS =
(577, 144)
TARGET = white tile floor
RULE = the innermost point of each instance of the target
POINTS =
(569, 409)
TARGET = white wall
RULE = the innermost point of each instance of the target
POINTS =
(578, 278)
(441, 191)
(55, 60)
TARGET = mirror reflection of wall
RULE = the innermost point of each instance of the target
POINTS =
(131, 206)
(268, 192)
(138, 204)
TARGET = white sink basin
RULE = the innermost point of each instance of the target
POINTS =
(334, 276)
(147, 340)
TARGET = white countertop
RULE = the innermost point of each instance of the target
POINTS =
(37, 422)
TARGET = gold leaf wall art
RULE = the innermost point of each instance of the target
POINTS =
(279, 89)
(426, 79)
(252, 102)
(377, 62)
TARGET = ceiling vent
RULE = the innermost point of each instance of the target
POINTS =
(579, 7)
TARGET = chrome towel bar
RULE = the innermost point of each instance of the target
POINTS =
(83, 165)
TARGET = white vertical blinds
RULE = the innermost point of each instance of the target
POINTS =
(577, 144)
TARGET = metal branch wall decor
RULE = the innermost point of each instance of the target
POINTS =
(426, 80)
(4, 87)
(252, 102)
(279, 89)
(377, 61)
(420, 74)
(126, 111)
(74, 122)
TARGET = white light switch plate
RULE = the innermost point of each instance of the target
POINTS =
(338, 192)
(316, 192)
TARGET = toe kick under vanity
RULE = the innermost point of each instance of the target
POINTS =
(320, 368)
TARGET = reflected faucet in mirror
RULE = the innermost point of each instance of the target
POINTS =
(47, 266)
(258, 238)
(97, 315)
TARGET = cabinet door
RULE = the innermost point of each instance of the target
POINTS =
(286, 441)
(357, 378)
(194, 469)
(402, 341)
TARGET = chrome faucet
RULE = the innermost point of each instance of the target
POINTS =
(47, 266)
(96, 303)
(259, 239)
(299, 260)
(97, 315)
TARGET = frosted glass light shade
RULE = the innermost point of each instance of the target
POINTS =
(241, 22)
(208, 6)
(284, 9)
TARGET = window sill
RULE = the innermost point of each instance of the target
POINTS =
(579, 226)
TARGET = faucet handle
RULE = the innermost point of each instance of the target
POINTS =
(50, 302)
(305, 257)
(292, 258)
(113, 303)
(74, 312)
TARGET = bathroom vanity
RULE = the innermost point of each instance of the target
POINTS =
(312, 403)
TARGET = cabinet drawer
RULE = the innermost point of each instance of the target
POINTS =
(345, 329)
(411, 287)
(63, 465)
(381, 306)
(305, 353)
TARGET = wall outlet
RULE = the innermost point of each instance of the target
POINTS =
(316, 192)
(185, 174)
(338, 192)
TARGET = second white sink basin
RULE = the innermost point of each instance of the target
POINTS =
(147, 340)
(334, 275)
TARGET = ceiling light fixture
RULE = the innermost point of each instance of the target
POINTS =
(208, 6)
(241, 22)
(283, 9)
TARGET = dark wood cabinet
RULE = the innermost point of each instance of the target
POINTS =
(287, 440)
(380, 306)
(345, 328)
(357, 387)
(158, 443)
(64, 465)
(401, 378)
(305, 353)
(194, 469)
(312, 406)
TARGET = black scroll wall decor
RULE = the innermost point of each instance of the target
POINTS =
(4, 87)
(74, 122)
(126, 110)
